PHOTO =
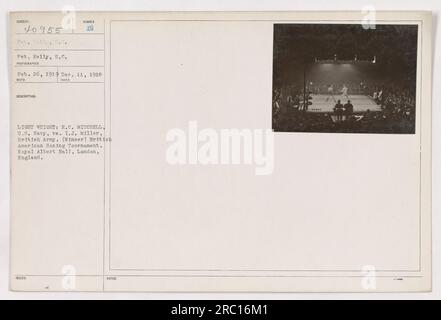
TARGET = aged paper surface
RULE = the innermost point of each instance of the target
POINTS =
(174, 152)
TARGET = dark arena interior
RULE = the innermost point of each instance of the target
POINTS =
(344, 78)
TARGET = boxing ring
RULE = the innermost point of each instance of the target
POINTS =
(323, 103)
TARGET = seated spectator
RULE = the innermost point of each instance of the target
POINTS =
(339, 110)
(349, 108)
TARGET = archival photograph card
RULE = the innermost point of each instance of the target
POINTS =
(221, 152)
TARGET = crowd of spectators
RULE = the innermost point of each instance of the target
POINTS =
(397, 110)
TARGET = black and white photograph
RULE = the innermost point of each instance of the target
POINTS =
(219, 152)
(342, 78)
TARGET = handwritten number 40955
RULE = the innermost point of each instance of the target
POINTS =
(42, 29)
